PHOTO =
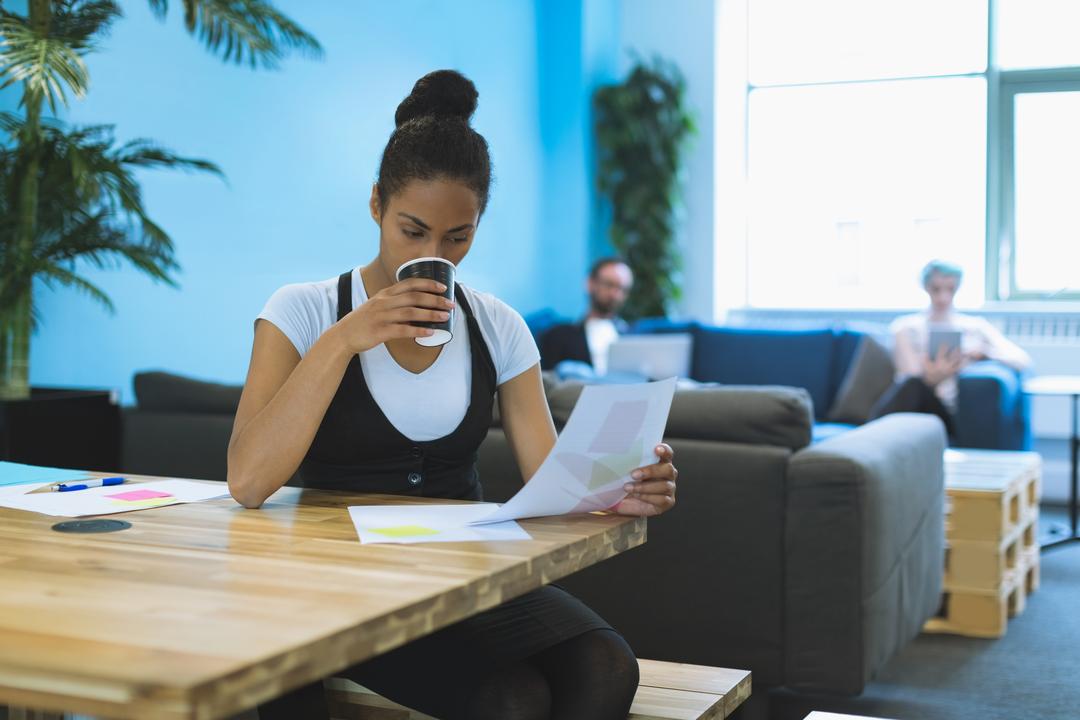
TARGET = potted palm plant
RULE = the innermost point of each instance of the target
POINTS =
(642, 129)
(69, 194)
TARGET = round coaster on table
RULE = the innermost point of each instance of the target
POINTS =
(91, 526)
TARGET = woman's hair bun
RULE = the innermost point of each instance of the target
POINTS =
(443, 93)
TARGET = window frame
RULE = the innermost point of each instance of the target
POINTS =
(1001, 242)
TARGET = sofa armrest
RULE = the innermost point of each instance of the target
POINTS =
(864, 545)
(992, 409)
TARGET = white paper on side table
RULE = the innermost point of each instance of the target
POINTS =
(612, 431)
(116, 498)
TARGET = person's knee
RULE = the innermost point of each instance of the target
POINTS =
(607, 657)
(516, 693)
(622, 662)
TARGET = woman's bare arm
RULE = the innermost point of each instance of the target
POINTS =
(281, 407)
(527, 420)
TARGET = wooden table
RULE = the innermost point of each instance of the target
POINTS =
(203, 610)
(1069, 386)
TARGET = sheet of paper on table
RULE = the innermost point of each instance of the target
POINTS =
(430, 523)
(19, 474)
(612, 431)
(115, 498)
(21, 489)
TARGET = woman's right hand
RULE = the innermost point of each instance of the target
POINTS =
(947, 364)
(388, 313)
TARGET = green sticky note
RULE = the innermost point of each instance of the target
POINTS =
(404, 531)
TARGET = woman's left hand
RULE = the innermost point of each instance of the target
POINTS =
(652, 490)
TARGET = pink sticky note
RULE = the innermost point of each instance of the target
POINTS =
(139, 495)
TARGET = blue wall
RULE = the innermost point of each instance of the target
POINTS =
(301, 147)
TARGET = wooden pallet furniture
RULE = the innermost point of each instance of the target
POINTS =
(666, 691)
(991, 528)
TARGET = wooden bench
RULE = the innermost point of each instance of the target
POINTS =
(666, 691)
(819, 715)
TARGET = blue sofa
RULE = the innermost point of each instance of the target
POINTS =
(993, 412)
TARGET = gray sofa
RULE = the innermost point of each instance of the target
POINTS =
(810, 565)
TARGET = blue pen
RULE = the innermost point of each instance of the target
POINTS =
(84, 484)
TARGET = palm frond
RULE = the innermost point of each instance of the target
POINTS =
(55, 274)
(95, 238)
(83, 163)
(146, 153)
(80, 23)
(90, 206)
(244, 31)
(11, 124)
(160, 8)
(46, 64)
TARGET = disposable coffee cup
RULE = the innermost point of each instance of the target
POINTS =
(433, 268)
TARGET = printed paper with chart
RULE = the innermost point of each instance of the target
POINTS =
(613, 430)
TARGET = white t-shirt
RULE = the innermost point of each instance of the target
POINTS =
(304, 311)
(599, 335)
(911, 340)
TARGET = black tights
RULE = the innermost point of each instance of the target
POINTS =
(912, 394)
(590, 677)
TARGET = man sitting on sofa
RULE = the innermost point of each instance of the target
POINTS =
(608, 285)
(926, 376)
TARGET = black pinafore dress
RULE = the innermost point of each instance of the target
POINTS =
(358, 449)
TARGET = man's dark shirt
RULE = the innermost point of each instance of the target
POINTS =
(567, 342)
(564, 342)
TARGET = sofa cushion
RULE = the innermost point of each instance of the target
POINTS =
(562, 396)
(778, 416)
(755, 415)
(870, 375)
(741, 356)
(165, 392)
(846, 344)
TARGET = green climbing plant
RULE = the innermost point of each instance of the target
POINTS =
(642, 130)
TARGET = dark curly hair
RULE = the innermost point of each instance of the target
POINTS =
(433, 139)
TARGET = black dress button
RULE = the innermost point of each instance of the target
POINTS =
(415, 478)
(417, 452)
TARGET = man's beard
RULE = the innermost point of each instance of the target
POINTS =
(604, 308)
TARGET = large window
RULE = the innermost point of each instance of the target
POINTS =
(884, 133)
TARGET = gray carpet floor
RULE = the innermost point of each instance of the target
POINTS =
(1032, 672)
